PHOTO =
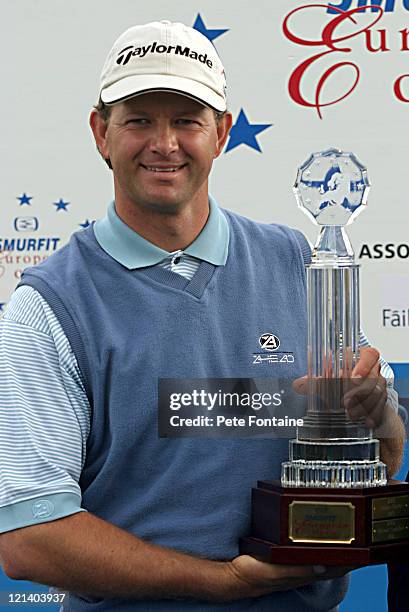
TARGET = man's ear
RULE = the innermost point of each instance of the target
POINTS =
(99, 129)
(223, 129)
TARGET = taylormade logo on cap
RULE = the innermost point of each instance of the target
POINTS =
(131, 51)
(164, 56)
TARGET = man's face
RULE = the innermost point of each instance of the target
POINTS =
(161, 146)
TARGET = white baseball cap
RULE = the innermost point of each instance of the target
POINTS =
(164, 56)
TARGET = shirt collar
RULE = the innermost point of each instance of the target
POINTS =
(133, 251)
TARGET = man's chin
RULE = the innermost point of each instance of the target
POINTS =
(164, 205)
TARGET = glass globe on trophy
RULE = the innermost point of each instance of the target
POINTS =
(334, 497)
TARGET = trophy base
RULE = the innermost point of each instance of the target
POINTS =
(323, 555)
(358, 526)
(334, 474)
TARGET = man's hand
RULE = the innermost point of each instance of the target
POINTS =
(367, 397)
(252, 578)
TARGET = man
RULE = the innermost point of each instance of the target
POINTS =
(167, 285)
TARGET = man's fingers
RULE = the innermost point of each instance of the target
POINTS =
(300, 385)
(373, 414)
(359, 393)
(321, 572)
(369, 358)
(366, 396)
(272, 571)
(254, 578)
(376, 413)
(298, 571)
(279, 572)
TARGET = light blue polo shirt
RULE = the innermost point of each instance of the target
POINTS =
(133, 251)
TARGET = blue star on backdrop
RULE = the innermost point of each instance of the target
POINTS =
(61, 205)
(86, 224)
(25, 199)
(243, 132)
(210, 34)
(2, 305)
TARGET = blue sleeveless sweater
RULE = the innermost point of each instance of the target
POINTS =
(128, 328)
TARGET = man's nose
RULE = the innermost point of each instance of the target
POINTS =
(164, 140)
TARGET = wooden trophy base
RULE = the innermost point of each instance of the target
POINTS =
(315, 526)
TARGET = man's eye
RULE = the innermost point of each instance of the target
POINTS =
(138, 120)
(186, 121)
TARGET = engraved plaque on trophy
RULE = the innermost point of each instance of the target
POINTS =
(334, 504)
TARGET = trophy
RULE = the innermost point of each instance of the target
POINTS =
(334, 503)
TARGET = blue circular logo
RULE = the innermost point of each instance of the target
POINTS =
(42, 508)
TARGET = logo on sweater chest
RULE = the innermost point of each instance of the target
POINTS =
(269, 344)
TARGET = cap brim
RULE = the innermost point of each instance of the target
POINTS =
(136, 85)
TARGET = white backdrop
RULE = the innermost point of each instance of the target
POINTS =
(53, 52)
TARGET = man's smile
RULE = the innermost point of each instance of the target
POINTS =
(163, 168)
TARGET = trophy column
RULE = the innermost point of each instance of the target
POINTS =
(334, 498)
(330, 449)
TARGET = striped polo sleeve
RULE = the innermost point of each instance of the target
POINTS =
(44, 416)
